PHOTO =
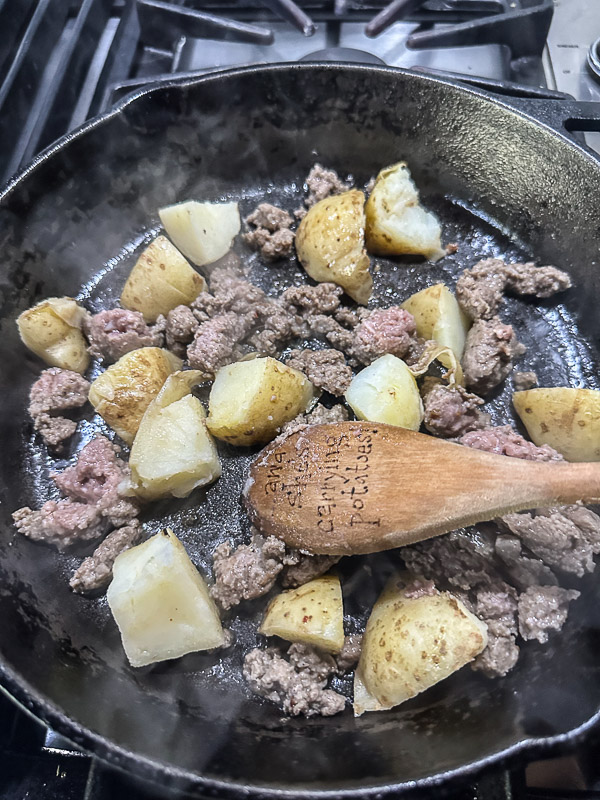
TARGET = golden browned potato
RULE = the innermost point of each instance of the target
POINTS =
(124, 391)
(173, 452)
(386, 391)
(161, 603)
(160, 280)
(312, 614)
(330, 244)
(439, 317)
(204, 232)
(52, 330)
(566, 419)
(396, 222)
(251, 400)
(412, 643)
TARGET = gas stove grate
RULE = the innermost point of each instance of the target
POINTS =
(62, 63)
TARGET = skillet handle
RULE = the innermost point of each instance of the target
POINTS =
(563, 115)
(557, 110)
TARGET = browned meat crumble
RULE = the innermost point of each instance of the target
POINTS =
(95, 572)
(497, 606)
(490, 348)
(524, 380)
(270, 217)
(279, 326)
(349, 655)
(61, 523)
(216, 342)
(385, 330)
(565, 538)
(325, 369)
(180, 328)
(543, 609)
(451, 410)
(117, 331)
(271, 246)
(505, 441)
(229, 291)
(480, 290)
(92, 504)
(236, 317)
(95, 479)
(271, 236)
(250, 570)
(246, 572)
(523, 569)
(298, 684)
(322, 183)
(307, 568)
(320, 415)
(56, 390)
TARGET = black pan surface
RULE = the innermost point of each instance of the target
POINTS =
(502, 184)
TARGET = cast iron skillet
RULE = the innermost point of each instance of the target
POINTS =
(503, 183)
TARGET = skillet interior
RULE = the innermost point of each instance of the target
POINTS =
(78, 219)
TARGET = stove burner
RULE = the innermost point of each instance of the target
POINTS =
(394, 11)
(522, 28)
(593, 59)
(343, 54)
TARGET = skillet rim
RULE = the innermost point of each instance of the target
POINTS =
(36, 704)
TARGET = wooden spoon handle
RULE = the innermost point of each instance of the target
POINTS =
(563, 483)
(360, 487)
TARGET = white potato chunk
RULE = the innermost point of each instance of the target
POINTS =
(311, 614)
(204, 232)
(52, 330)
(566, 419)
(124, 391)
(330, 244)
(396, 222)
(161, 280)
(439, 317)
(161, 603)
(412, 643)
(251, 400)
(173, 453)
(386, 391)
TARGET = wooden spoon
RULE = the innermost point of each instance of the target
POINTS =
(360, 487)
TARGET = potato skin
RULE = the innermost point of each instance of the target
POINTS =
(330, 244)
(438, 316)
(160, 280)
(251, 400)
(566, 419)
(386, 391)
(412, 643)
(52, 330)
(312, 614)
(124, 391)
(173, 452)
(161, 603)
(396, 223)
